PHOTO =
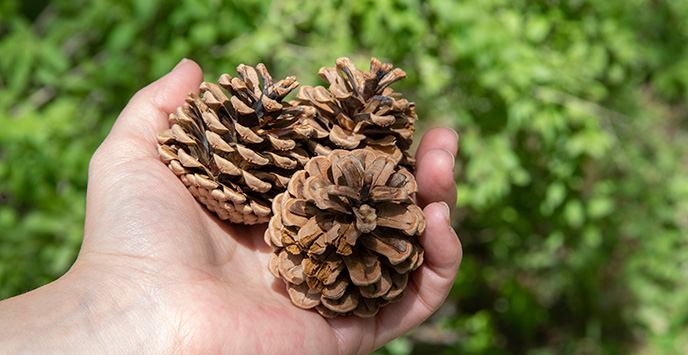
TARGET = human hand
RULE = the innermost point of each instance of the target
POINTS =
(158, 273)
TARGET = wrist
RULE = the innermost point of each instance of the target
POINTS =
(78, 314)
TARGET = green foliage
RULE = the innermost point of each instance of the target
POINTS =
(572, 175)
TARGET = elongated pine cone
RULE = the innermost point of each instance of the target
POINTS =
(360, 110)
(236, 153)
(345, 233)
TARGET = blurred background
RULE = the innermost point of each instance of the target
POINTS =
(572, 172)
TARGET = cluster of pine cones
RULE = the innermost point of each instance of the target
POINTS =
(329, 171)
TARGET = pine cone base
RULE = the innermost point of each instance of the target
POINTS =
(345, 233)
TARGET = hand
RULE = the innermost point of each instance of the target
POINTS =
(157, 273)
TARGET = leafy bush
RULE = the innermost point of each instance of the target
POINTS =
(572, 181)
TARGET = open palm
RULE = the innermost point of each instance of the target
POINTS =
(186, 281)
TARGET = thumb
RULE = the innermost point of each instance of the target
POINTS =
(146, 114)
(126, 178)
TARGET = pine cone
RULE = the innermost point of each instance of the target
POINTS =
(345, 233)
(235, 154)
(361, 111)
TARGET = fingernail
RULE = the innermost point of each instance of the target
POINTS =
(447, 218)
(455, 133)
(181, 62)
(453, 157)
(447, 212)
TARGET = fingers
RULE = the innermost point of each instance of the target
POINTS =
(147, 112)
(435, 167)
(429, 285)
(438, 138)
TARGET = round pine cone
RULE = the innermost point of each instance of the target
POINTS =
(345, 233)
(361, 111)
(236, 153)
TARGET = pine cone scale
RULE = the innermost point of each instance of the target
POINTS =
(291, 267)
(379, 288)
(395, 248)
(336, 289)
(303, 296)
(364, 268)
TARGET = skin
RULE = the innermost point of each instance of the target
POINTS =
(157, 273)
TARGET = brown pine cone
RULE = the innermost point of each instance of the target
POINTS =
(236, 153)
(345, 233)
(360, 110)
